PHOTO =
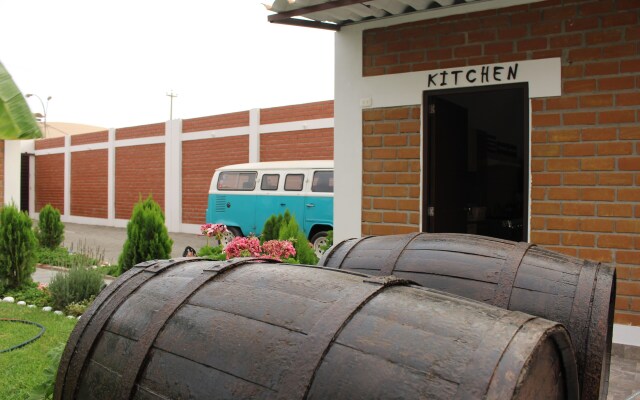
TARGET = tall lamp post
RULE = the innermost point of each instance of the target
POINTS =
(44, 109)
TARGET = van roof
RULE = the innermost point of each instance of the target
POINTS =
(301, 164)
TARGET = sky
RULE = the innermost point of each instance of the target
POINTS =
(112, 63)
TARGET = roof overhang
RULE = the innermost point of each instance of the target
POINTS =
(334, 14)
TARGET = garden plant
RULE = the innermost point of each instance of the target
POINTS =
(147, 235)
(50, 229)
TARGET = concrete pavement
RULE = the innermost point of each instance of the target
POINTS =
(107, 242)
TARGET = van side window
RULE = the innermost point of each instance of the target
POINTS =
(270, 182)
(293, 182)
(322, 182)
(232, 180)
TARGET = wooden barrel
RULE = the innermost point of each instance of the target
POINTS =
(517, 276)
(248, 328)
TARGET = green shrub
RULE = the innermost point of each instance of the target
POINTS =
(111, 270)
(78, 308)
(214, 253)
(304, 252)
(30, 294)
(75, 286)
(50, 230)
(17, 247)
(147, 236)
(61, 257)
(271, 229)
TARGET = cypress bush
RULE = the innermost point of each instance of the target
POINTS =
(304, 252)
(147, 235)
(50, 230)
(17, 247)
(271, 230)
(75, 286)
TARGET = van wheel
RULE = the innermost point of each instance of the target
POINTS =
(228, 236)
(319, 242)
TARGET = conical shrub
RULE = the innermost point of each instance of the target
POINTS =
(147, 235)
(17, 247)
(50, 230)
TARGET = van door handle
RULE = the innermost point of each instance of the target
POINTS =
(310, 205)
(283, 204)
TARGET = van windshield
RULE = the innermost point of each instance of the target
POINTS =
(232, 180)
(322, 182)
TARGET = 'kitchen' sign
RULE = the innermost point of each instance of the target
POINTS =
(494, 73)
(542, 75)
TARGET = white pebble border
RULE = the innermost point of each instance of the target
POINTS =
(10, 299)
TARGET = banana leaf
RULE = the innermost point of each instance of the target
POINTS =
(16, 120)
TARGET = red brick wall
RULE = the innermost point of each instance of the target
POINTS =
(200, 158)
(89, 191)
(313, 144)
(391, 170)
(42, 144)
(223, 121)
(1, 172)
(135, 132)
(139, 172)
(585, 152)
(49, 181)
(298, 112)
(88, 138)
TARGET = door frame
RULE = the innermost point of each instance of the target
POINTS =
(428, 142)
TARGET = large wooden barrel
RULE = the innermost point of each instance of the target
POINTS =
(517, 276)
(247, 328)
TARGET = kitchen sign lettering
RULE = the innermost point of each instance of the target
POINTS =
(469, 76)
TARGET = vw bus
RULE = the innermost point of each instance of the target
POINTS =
(244, 196)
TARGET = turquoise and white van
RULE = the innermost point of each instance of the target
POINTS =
(244, 196)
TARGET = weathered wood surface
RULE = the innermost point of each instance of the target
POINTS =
(518, 276)
(196, 329)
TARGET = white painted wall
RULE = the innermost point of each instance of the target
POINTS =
(12, 151)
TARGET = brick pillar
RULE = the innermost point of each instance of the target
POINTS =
(391, 171)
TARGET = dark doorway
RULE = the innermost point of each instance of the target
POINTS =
(24, 182)
(476, 161)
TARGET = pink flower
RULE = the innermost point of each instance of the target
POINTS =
(42, 286)
(278, 249)
(243, 247)
(211, 230)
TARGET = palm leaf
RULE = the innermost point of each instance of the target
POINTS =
(16, 119)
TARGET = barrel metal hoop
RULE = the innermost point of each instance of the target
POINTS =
(160, 318)
(355, 244)
(161, 265)
(581, 312)
(298, 378)
(327, 254)
(476, 379)
(508, 274)
(390, 262)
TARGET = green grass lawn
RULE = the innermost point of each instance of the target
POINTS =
(23, 369)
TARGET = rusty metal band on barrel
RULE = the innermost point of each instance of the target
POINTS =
(390, 262)
(581, 315)
(91, 324)
(508, 274)
(299, 376)
(339, 261)
(477, 377)
(135, 361)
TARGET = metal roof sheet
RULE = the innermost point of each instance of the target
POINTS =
(333, 14)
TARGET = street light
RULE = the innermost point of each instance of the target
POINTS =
(44, 109)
